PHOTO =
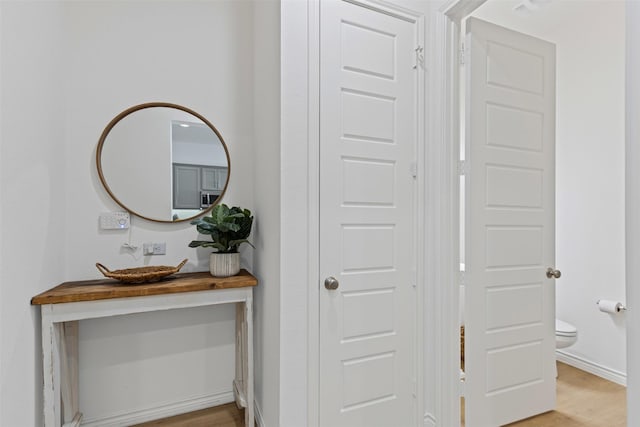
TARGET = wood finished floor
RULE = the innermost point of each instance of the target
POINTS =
(584, 400)
(219, 416)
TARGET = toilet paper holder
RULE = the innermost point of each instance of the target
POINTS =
(607, 306)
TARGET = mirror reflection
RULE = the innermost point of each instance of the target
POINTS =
(163, 162)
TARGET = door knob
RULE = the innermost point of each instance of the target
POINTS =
(551, 273)
(331, 283)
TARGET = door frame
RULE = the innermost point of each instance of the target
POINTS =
(443, 161)
(445, 80)
(312, 118)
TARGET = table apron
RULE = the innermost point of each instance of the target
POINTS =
(64, 312)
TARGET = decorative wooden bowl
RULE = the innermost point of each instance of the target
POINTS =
(141, 274)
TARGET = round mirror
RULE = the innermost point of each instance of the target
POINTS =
(163, 162)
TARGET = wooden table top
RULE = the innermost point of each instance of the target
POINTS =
(91, 290)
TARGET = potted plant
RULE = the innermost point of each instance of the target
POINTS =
(228, 228)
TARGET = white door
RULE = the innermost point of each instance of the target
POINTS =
(510, 237)
(367, 148)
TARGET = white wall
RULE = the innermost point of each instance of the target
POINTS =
(32, 164)
(589, 37)
(632, 172)
(266, 235)
(1, 217)
(121, 54)
(32, 156)
(196, 153)
(67, 68)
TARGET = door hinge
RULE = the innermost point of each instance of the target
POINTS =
(462, 54)
(413, 169)
(462, 167)
(419, 60)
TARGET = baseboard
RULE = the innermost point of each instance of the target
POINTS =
(258, 415)
(593, 368)
(162, 411)
(429, 421)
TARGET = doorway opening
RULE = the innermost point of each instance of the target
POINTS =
(589, 169)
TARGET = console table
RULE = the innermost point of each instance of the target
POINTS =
(63, 306)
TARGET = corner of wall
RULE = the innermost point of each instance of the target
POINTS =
(267, 209)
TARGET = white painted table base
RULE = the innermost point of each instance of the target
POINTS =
(60, 344)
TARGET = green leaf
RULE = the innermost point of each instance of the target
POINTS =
(227, 228)
(208, 220)
(206, 226)
(224, 227)
(236, 243)
(233, 227)
(220, 212)
(198, 243)
(219, 246)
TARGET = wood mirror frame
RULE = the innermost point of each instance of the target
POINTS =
(131, 110)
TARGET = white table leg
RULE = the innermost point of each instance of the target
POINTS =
(69, 374)
(238, 382)
(248, 415)
(51, 335)
(243, 382)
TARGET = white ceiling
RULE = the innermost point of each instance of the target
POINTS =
(195, 133)
(547, 19)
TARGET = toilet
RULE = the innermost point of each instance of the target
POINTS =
(566, 334)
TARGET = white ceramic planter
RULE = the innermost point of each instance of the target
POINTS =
(224, 265)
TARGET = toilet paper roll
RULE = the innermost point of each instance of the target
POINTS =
(607, 306)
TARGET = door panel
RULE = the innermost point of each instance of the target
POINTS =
(367, 146)
(510, 236)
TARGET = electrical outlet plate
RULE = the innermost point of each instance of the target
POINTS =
(114, 220)
(154, 248)
(160, 248)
